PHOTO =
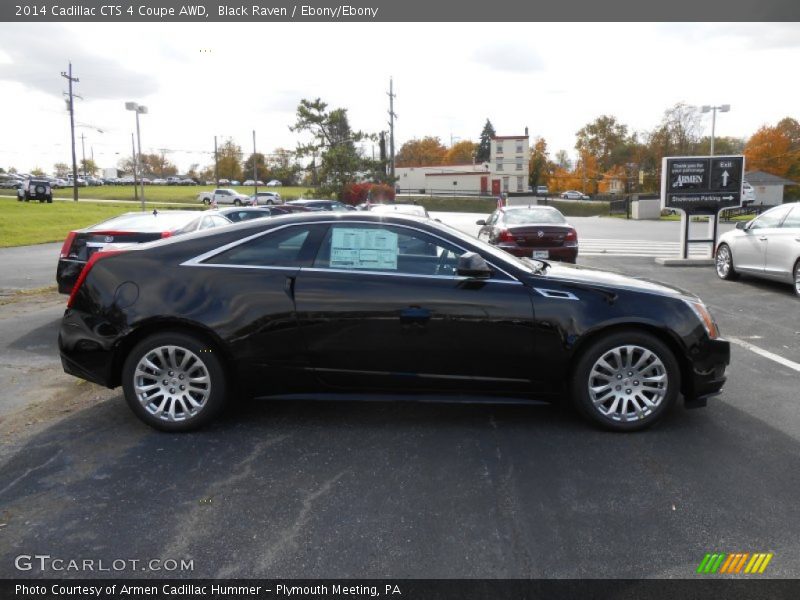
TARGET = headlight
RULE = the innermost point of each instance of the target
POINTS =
(705, 317)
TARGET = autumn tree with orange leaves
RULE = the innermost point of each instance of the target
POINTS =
(421, 153)
(461, 153)
(775, 149)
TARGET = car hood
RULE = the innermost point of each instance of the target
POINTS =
(597, 277)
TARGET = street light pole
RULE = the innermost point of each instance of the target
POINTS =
(713, 110)
(138, 109)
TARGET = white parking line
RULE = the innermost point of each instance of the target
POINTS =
(766, 354)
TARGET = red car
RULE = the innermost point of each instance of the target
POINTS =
(532, 232)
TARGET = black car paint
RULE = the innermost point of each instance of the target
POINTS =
(301, 330)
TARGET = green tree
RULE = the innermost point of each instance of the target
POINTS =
(259, 161)
(61, 169)
(538, 166)
(484, 151)
(37, 172)
(283, 166)
(88, 167)
(605, 139)
(157, 165)
(562, 160)
(335, 160)
(229, 165)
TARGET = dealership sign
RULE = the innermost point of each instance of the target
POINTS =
(702, 185)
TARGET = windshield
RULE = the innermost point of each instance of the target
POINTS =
(517, 216)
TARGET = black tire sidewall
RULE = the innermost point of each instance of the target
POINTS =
(206, 352)
(794, 278)
(580, 377)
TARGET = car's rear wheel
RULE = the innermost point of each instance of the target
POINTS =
(626, 381)
(723, 262)
(174, 382)
(206, 201)
(237, 202)
(797, 278)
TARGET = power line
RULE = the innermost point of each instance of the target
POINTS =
(68, 76)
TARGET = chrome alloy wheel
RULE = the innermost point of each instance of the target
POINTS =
(172, 383)
(627, 383)
(723, 261)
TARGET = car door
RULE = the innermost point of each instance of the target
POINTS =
(783, 247)
(251, 284)
(750, 251)
(222, 196)
(382, 308)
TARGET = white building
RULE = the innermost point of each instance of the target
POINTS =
(506, 172)
(768, 188)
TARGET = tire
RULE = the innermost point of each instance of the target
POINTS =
(797, 278)
(723, 263)
(206, 201)
(166, 407)
(49, 199)
(237, 202)
(270, 202)
(609, 362)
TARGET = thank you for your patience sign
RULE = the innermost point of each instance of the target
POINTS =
(702, 185)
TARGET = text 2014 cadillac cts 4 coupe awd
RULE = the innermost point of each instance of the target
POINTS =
(378, 307)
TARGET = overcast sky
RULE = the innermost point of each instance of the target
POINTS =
(201, 80)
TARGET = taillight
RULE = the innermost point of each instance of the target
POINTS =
(571, 238)
(505, 236)
(68, 244)
(166, 234)
(85, 271)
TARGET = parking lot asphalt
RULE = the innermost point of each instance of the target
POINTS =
(347, 489)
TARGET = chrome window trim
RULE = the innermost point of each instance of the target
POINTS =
(197, 261)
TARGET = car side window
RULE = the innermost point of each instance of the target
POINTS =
(771, 218)
(367, 247)
(288, 247)
(793, 220)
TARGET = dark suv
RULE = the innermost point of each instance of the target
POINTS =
(35, 189)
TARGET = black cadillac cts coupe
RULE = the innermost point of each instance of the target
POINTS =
(367, 306)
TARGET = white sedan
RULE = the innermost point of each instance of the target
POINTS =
(768, 246)
(574, 195)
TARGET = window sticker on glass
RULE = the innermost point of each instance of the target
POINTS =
(353, 248)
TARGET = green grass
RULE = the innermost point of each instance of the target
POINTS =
(23, 223)
(580, 209)
(172, 193)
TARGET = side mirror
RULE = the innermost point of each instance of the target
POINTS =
(742, 224)
(480, 222)
(472, 264)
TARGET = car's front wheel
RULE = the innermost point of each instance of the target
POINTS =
(626, 381)
(174, 381)
(237, 202)
(206, 201)
(723, 262)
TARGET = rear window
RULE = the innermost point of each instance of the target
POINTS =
(533, 215)
(163, 221)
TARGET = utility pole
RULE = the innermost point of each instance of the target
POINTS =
(83, 156)
(68, 76)
(392, 117)
(216, 166)
(255, 171)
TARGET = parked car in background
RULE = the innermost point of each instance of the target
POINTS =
(35, 189)
(246, 213)
(748, 194)
(159, 181)
(531, 231)
(414, 210)
(223, 196)
(235, 182)
(329, 205)
(130, 228)
(265, 198)
(541, 190)
(252, 182)
(574, 195)
(274, 183)
(768, 247)
(178, 322)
